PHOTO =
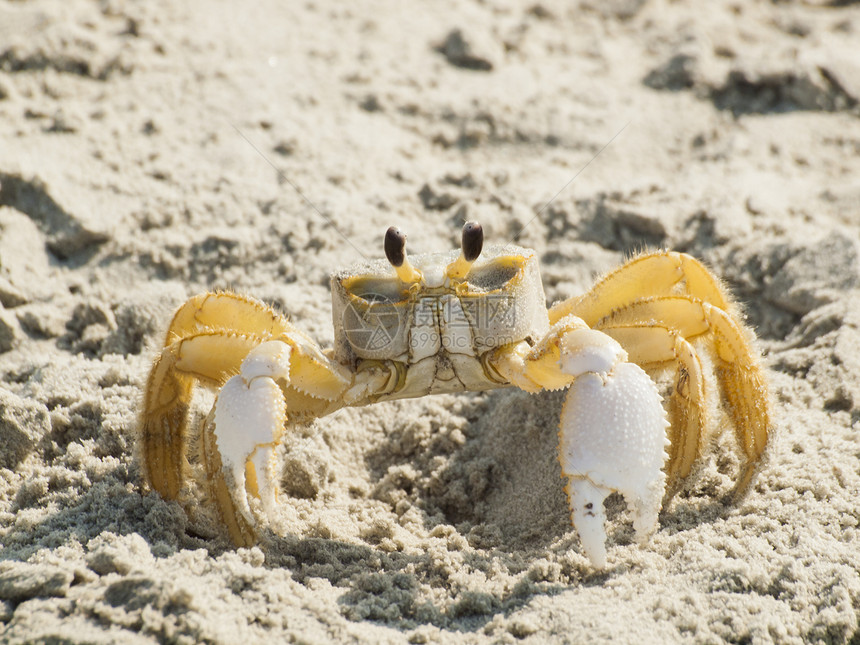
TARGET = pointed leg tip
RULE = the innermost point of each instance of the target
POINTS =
(594, 548)
(588, 517)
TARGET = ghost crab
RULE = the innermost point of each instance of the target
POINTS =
(466, 321)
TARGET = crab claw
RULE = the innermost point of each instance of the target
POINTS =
(612, 437)
(247, 425)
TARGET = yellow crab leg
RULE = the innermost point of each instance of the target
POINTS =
(537, 368)
(208, 338)
(228, 311)
(650, 345)
(740, 377)
(209, 357)
(745, 389)
(653, 274)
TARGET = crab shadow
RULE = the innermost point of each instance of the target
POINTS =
(386, 587)
(110, 505)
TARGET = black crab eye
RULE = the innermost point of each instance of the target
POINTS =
(472, 241)
(395, 246)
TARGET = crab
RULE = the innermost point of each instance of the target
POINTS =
(468, 320)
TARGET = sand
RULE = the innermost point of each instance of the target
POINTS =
(153, 150)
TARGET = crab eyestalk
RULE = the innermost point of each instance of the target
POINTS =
(471, 245)
(395, 251)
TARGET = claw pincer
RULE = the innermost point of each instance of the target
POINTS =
(249, 420)
(612, 437)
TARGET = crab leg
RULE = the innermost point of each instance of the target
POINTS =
(206, 341)
(651, 345)
(207, 357)
(741, 380)
(227, 311)
(647, 282)
(653, 274)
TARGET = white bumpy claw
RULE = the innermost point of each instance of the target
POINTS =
(612, 437)
(249, 419)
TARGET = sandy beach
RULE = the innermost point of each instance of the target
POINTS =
(150, 151)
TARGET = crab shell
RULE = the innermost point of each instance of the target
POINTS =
(440, 331)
